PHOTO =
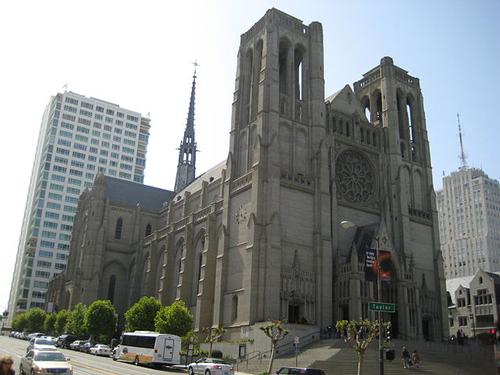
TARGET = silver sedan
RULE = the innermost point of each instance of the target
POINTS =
(210, 366)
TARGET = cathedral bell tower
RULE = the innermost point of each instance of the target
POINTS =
(277, 259)
(186, 168)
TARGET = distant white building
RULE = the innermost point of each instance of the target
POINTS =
(79, 137)
(475, 303)
(469, 222)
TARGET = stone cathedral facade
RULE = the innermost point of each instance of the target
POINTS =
(258, 236)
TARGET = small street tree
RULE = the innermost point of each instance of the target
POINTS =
(20, 322)
(141, 316)
(359, 334)
(100, 319)
(174, 319)
(276, 332)
(49, 323)
(76, 320)
(35, 319)
(61, 320)
(212, 336)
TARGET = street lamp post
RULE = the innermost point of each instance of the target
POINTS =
(349, 224)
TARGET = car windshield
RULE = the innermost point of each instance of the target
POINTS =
(49, 356)
(44, 342)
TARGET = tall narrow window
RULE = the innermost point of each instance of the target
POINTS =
(299, 74)
(111, 288)
(283, 66)
(148, 231)
(200, 263)
(379, 108)
(234, 312)
(118, 229)
(400, 117)
(409, 114)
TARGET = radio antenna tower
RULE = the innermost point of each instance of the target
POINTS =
(463, 156)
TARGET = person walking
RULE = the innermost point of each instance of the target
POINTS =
(415, 358)
(405, 356)
(6, 364)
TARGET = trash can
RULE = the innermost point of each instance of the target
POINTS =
(389, 354)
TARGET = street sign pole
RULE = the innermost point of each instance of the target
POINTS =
(379, 299)
(296, 341)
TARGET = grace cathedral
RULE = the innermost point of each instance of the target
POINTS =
(258, 236)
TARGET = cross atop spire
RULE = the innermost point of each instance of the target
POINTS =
(186, 167)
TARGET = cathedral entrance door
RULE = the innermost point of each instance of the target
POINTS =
(293, 313)
(426, 329)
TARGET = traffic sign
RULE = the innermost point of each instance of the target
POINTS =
(296, 340)
(383, 307)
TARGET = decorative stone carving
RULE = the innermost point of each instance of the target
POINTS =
(355, 177)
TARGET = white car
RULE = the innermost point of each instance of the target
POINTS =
(41, 343)
(210, 366)
(101, 349)
(44, 362)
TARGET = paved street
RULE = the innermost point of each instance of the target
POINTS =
(83, 364)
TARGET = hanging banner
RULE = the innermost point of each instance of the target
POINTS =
(371, 265)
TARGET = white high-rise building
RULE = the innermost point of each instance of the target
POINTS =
(79, 137)
(469, 222)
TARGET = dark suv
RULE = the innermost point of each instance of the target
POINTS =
(64, 341)
(299, 371)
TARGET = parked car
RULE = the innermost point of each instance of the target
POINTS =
(64, 341)
(75, 345)
(41, 343)
(101, 349)
(85, 346)
(210, 366)
(299, 371)
(45, 362)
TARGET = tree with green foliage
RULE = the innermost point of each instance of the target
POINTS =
(50, 323)
(174, 319)
(359, 334)
(141, 316)
(212, 336)
(100, 319)
(20, 322)
(36, 319)
(276, 332)
(76, 320)
(61, 320)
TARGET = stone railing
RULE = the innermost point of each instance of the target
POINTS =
(241, 182)
(405, 78)
(367, 80)
(202, 214)
(181, 223)
(419, 213)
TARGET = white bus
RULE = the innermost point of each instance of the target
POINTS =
(149, 348)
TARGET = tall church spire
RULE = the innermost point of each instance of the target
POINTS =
(186, 168)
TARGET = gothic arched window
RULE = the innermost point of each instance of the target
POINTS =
(118, 229)
(234, 310)
(149, 230)
(111, 288)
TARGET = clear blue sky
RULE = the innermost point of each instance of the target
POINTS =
(139, 54)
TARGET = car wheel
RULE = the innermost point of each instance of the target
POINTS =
(207, 372)
(190, 371)
(136, 361)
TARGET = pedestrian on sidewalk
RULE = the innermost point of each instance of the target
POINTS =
(6, 363)
(415, 358)
(405, 356)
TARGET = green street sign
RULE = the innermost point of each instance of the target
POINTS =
(380, 306)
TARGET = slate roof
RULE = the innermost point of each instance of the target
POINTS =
(128, 193)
